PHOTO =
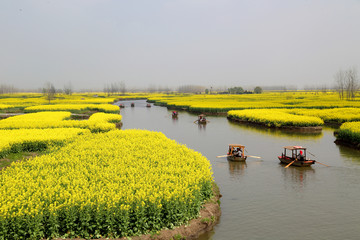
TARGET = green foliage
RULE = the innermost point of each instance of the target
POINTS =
(257, 90)
(178, 237)
(205, 220)
(350, 132)
(236, 90)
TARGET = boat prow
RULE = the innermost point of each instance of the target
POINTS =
(237, 159)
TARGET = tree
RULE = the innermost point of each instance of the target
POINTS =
(236, 90)
(49, 91)
(107, 89)
(68, 88)
(346, 83)
(4, 88)
(258, 90)
(352, 83)
(122, 88)
(340, 83)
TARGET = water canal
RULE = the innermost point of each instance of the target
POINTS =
(261, 199)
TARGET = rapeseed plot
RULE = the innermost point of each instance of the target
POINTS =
(24, 100)
(98, 122)
(338, 115)
(283, 100)
(350, 132)
(108, 108)
(4, 106)
(35, 139)
(275, 118)
(114, 184)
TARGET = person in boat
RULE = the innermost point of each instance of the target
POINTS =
(237, 152)
(301, 156)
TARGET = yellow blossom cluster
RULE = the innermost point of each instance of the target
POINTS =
(108, 108)
(98, 122)
(113, 184)
(5, 106)
(275, 118)
(337, 115)
(349, 132)
(35, 139)
(226, 102)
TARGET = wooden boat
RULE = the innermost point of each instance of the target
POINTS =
(148, 105)
(174, 114)
(121, 106)
(236, 153)
(201, 119)
(132, 105)
(297, 155)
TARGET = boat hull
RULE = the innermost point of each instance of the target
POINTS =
(236, 159)
(287, 160)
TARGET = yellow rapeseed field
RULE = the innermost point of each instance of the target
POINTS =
(97, 122)
(275, 118)
(226, 102)
(350, 132)
(4, 106)
(108, 108)
(337, 115)
(114, 184)
(35, 139)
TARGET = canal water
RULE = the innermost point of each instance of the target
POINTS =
(260, 198)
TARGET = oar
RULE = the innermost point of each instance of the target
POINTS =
(311, 154)
(222, 156)
(251, 156)
(289, 164)
(317, 161)
(322, 164)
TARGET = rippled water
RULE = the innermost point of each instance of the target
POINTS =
(261, 199)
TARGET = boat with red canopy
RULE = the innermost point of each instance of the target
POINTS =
(296, 156)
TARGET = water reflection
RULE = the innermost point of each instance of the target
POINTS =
(275, 132)
(201, 126)
(296, 176)
(349, 154)
(237, 168)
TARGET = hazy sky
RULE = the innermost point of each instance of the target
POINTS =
(175, 42)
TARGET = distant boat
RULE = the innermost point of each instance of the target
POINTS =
(132, 104)
(201, 119)
(121, 106)
(174, 114)
(148, 105)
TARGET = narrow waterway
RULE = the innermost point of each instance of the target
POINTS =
(261, 199)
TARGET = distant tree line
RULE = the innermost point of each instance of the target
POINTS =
(4, 89)
(191, 89)
(240, 90)
(115, 88)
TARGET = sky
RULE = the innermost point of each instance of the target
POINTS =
(142, 43)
